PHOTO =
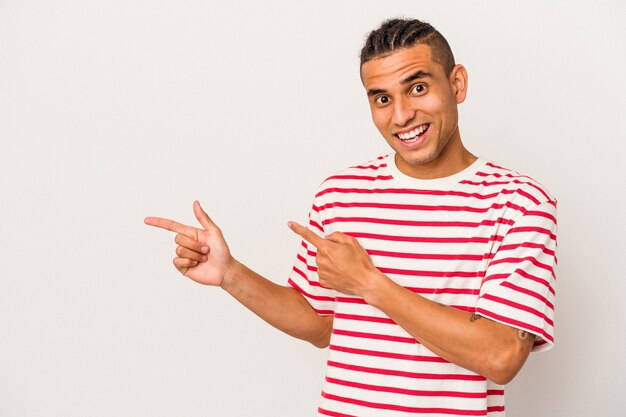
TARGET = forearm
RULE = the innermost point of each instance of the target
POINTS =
(481, 345)
(282, 307)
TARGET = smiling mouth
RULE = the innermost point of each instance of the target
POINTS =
(413, 135)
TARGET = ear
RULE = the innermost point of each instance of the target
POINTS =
(458, 81)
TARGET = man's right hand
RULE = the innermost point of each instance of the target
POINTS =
(202, 254)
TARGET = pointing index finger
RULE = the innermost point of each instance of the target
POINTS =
(166, 224)
(307, 235)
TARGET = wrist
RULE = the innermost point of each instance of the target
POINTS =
(377, 283)
(230, 275)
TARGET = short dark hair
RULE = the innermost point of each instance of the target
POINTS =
(396, 34)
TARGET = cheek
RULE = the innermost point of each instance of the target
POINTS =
(433, 104)
(441, 106)
(380, 120)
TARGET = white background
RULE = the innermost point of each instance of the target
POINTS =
(114, 110)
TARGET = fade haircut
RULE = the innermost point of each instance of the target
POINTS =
(396, 34)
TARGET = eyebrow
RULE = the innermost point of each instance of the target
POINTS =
(375, 91)
(415, 76)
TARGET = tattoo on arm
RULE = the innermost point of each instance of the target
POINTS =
(525, 337)
(522, 335)
(475, 317)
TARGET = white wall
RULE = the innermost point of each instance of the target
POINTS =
(114, 110)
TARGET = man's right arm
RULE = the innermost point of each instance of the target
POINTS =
(203, 256)
(282, 307)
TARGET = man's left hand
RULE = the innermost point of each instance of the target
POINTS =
(342, 263)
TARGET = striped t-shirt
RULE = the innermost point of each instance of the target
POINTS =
(482, 240)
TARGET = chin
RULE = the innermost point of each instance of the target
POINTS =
(418, 159)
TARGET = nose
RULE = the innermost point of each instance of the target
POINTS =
(402, 112)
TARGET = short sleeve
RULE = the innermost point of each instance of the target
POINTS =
(303, 276)
(519, 285)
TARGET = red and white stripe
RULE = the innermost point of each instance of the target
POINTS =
(483, 241)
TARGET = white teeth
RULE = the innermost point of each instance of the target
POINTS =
(407, 137)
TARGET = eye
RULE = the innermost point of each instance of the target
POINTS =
(419, 89)
(382, 100)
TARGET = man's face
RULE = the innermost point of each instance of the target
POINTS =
(414, 106)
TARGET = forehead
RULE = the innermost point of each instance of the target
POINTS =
(392, 69)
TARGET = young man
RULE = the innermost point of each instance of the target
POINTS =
(427, 272)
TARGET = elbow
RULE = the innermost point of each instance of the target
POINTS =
(321, 338)
(505, 366)
(502, 376)
(321, 344)
(321, 341)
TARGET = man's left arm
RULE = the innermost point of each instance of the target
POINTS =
(492, 341)
(491, 349)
